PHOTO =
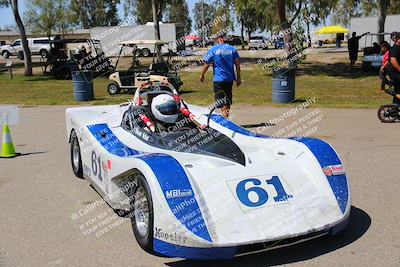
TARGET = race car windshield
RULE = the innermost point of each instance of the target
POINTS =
(188, 140)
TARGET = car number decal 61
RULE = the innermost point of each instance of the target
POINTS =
(96, 166)
(255, 192)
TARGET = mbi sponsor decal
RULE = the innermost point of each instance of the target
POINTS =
(178, 193)
(334, 170)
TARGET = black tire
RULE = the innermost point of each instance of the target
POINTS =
(145, 52)
(388, 113)
(75, 152)
(44, 53)
(113, 88)
(5, 54)
(145, 239)
(63, 74)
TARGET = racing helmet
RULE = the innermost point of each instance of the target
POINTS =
(165, 108)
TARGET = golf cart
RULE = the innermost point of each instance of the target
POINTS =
(372, 57)
(129, 80)
(67, 55)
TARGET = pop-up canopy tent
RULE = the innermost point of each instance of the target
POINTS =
(334, 29)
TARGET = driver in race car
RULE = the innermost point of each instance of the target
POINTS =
(168, 116)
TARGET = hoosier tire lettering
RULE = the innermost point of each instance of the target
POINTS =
(174, 237)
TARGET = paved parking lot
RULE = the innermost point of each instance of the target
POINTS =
(39, 195)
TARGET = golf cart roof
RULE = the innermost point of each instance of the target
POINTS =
(136, 42)
(381, 33)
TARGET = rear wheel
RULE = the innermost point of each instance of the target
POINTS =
(76, 160)
(113, 88)
(388, 113)
(63, 74)
(142, 217)
(146, 52)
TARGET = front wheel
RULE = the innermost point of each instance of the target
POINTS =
(5, 54)
(113, 89)
(388, 113)
(44, 53)
(142, 217)
(76, 159)
(146, 52)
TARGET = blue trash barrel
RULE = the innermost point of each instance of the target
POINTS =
(83, 85)
(283, 85)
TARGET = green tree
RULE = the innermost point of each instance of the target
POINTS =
(251, 16)
(286, 26)
(178, 12)
(203, 17)
(22, 33)
(314, 13)
(355, 8)
(112, 18)
(47, 16)
(142, 9)
(222, 19)
(94, 13)
(344, 10)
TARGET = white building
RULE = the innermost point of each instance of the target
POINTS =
(370, 24)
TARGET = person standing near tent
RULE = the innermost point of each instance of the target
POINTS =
(353, 45)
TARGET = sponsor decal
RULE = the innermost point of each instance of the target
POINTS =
(106, 165)
(334, 170)
(170, 237)
(175, 193)
(139, 133)
(87, 170)
(260, 191)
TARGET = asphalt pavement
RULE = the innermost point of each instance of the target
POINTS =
(40, 197)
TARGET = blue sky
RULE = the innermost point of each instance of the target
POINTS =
(7, 18)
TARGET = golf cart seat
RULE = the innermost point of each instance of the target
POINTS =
(159, 68)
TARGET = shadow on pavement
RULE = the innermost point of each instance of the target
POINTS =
(333, 69)
(360, 221)
(32, 153)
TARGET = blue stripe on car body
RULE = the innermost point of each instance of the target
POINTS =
(234, 127)
(326, 156)
(110, 142)
(176, 251)
(172, 178)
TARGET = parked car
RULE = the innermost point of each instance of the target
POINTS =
(372, 57)
(279, 43)
(257, 43)
(234, 40)
(38, 46)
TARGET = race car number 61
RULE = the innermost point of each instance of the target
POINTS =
(262, 195)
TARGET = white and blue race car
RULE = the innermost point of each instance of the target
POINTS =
(207, 189)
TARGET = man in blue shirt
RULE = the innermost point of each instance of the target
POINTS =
(222, 56)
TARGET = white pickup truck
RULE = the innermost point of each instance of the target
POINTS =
(38, 46)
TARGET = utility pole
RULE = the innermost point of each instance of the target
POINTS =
(202, 24)
(156, 30)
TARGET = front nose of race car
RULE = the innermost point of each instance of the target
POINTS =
(303, 192)
(287, 190)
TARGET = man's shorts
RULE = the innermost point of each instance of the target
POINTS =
(353, 55)
(223, 93)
